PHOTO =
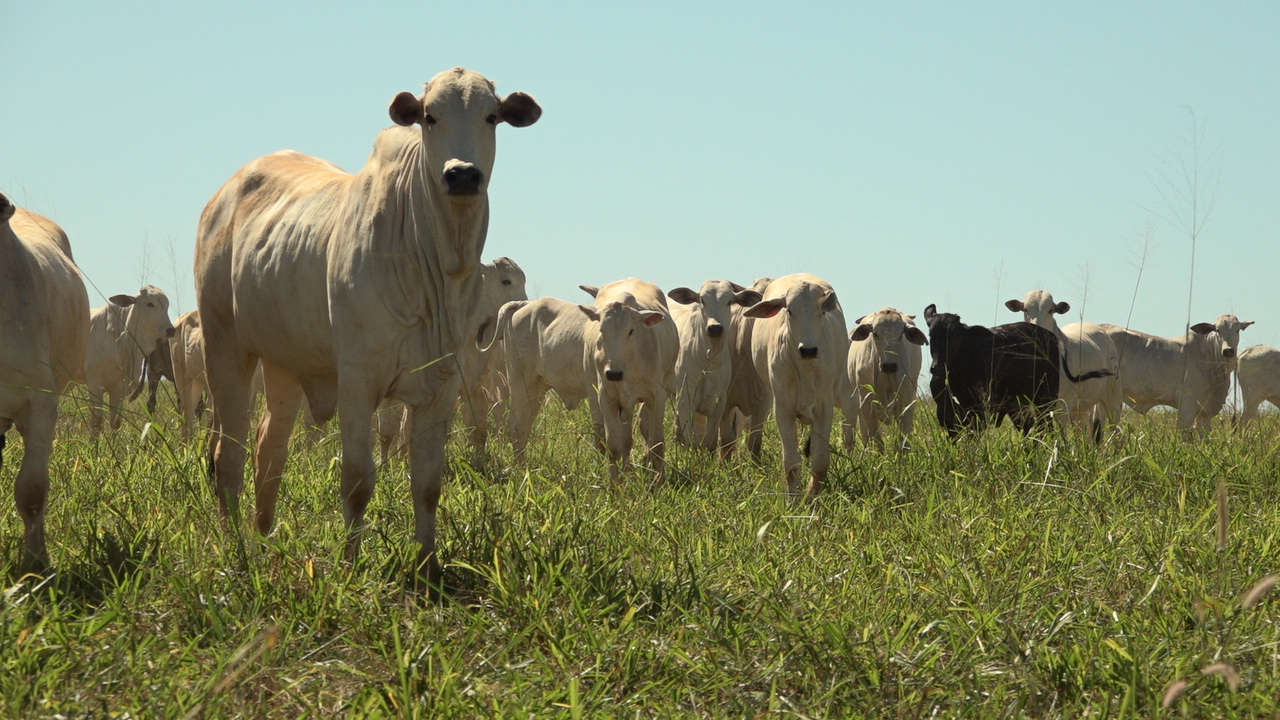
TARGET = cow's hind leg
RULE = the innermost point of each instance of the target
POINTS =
(284, 395)
(31, 488)
(229, 380)
(430, 431)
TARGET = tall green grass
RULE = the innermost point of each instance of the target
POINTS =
(996, 577)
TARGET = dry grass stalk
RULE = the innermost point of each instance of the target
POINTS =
(241, 659)
(1173, 693)
(1258, 591)
(1227, 672)
(1222, 514)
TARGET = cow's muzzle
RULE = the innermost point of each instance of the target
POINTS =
(716, 330)
(889, 367)
(170, 332)
(1228, 353)
(613, 375)
(808, 353)
(463, 179)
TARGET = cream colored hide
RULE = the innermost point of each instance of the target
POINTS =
(1191, 373)
(549, 346)
(884, 367)
(704, 321)
(634, 347)
(483, 375)
(187, 350)
(1230, 327)
(44, 332)
(747, 400)
(1258, 369)
(354, 287)
(121, 334)
(1086, 347)
(799, 348)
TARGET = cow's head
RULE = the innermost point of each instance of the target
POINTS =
(458, 112)
(711, 306)
(1213, 343)
(1229, 327)
(890, 330)
(806, 305)
(1038, 308)
(6, 208)
(619, 324)
(146, 316)
(501, 282)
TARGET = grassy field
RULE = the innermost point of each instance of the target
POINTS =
(992, 578)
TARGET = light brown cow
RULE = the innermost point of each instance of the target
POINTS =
(122, 334)
(883, 369)
(800, 355)
(187, 350)
(705, 323)
(356, 287)
(1258, 369)
(635, 358)
(747, 399)
(44, 331)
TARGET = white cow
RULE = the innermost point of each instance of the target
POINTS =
(1191, 373)
(44, 331)
(884, 368)
(747, 399)
(187, 350)
(356, 287)
(550, 345)
(122, 334)
(483, 384)
(1086, 347)
(799, 348)
(705, 323)
(635, 353)
(1258, 369)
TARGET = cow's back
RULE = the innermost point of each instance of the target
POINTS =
(548, 339)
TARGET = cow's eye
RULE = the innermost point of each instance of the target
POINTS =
(430, 120)
(151, 304)
(506, 282)
(492, 119)
(631, 332)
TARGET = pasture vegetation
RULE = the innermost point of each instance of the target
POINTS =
(996, 577)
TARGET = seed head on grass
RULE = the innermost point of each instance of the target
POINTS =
(1259, 591)
(1173, 693)
(1224, 670)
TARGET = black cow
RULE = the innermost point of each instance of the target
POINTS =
(982, 374)
(157, 365)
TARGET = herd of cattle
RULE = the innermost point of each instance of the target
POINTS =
(364, 295)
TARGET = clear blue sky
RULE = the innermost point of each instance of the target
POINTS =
(955, 153)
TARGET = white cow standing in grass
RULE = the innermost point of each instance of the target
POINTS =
(799, 348)
(122, 334)
(635, 357)
(884, 368)
(1258, 369)
(1086, 347)
(354, 288)
(705, 323)
(747, 402)
(1191, 373)
(44, 333)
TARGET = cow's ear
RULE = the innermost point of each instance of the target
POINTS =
(909, 317)
(520, 110)
(1015, 305)
(736, 287)
(1062, 308)
(591, 290)
(829, 301)
(765, 308)
(930, 313)
(746, 298)
(914, 335)
(6, 208)
(122, 300)
(1203, 328)
(860, 333)
(1244, 325)
(651, 318)
(590, 312)
(406, 109)
(684, 296)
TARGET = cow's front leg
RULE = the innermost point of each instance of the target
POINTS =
(356, 405)
(792, 463)
(430, 431)
(819, 450)
(651, 413)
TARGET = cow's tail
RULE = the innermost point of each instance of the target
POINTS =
(142, 379)
(1066, 370)
(503, 322)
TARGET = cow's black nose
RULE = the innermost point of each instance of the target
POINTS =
(1228, 353)
(889, 367)
(463, 179)
(715, 331)
(613, 375)
(809, 352)
(170, 332)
